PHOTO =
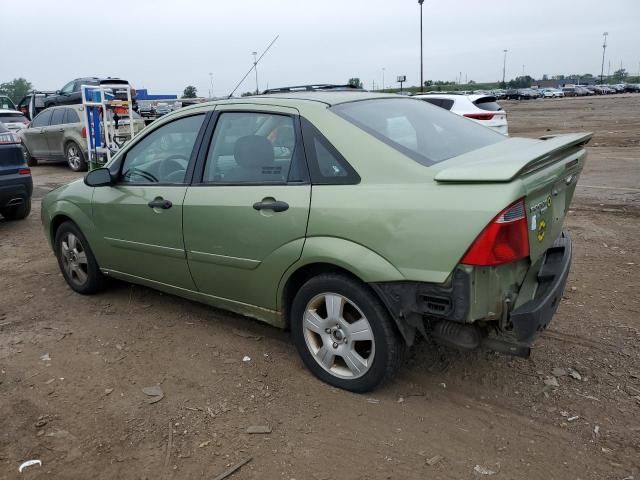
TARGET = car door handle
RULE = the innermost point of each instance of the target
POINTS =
(276, 205)
(160, 202)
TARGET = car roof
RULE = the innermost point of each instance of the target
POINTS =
(292, 99)
(8, 110)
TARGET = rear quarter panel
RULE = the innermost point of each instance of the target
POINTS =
(398, 211)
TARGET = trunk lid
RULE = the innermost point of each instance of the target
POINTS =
(548, 169)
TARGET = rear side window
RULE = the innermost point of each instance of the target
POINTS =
(326, 165)
(427, 135)
(56, 117)
(71, 116)
(252, 147)
(487, 103)
(445, 103)
(42, 120)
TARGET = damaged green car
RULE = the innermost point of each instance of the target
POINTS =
(356, 220)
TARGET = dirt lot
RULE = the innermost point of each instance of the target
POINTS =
(72, 368)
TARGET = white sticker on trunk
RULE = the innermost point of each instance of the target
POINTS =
(533, 222)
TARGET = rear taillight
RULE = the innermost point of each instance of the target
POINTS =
(8, 138)
(84, 132)
(504, 240)
(24, 171)
(480, 116)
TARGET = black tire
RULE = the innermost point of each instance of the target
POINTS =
(31, 161)
(18, 212)
(94, 280)
(75, 157)
(387, 345)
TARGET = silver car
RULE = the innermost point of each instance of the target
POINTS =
(59, 134)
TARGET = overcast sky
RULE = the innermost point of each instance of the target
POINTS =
(164, 45)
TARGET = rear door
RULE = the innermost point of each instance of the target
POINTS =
(140, 217)
(245, 216)
(35, 136)
(54, 133)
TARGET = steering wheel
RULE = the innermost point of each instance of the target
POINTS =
(172, 164)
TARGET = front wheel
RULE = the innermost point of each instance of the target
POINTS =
(344, 334)
(76, 260)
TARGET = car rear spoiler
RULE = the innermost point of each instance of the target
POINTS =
(506, 160)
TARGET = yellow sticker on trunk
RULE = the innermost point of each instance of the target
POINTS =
(542, 226)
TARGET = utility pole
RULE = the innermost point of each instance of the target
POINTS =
(504, 66)
(604, 48)
(421, 55)
(255, 67)
(210, 84)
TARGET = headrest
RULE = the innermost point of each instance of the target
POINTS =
(253, 151)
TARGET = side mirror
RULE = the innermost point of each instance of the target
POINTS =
(100, 177)
(58, 92)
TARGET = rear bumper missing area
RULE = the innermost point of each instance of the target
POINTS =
(531, 318)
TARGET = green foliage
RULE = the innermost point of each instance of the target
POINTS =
(355, 81)
(247, 94)
(520, 82)
(190, 92)
(619, 75)
(16, 88)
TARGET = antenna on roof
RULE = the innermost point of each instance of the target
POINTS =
(255, 64)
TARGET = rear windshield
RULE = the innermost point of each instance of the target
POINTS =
(421, 131)
(487, 103)
(13, 118)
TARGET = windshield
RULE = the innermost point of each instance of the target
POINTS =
(425, 133)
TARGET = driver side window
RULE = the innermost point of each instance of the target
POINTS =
(163, 155)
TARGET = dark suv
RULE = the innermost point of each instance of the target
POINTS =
(71, 93)
(16, 184)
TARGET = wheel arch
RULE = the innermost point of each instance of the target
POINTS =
(334, 255)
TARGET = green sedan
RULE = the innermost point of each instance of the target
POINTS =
(359, 221)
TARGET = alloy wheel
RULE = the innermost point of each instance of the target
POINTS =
(73, 157)
(338, 335)
(74, 259)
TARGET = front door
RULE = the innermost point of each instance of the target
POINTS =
(141, 216)
(35, 137)
(245, 216)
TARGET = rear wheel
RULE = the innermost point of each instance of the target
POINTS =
(75, 157)
(344, 334)
(32, 162)
(76, 260)
(18, 212)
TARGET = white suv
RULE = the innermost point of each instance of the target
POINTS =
(483, 109)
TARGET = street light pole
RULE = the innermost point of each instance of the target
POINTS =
(504, 66)
(210, 84)
(604, 47)
(255, 67)
(383, 79)
(421, 55)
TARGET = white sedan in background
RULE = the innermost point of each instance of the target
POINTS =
(482, 109)
(552, 93)
(13, 120)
